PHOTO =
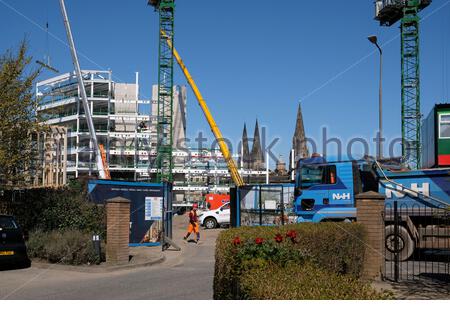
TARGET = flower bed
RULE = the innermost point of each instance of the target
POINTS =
(334, 250)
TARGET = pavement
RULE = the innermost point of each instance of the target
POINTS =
(187, 274)
(422, 278)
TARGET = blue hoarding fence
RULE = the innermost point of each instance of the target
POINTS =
(150, 205)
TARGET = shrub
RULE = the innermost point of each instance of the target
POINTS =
(334, 247)
(56, 209)
(70, 247)
(303, 282)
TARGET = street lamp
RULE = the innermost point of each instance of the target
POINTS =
(374, 40)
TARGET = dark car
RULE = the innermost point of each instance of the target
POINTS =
(13, 251)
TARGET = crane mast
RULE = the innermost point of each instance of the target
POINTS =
(164, 159)
(388, 12)
(411, 114)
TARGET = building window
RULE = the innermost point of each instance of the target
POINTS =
(444, 126)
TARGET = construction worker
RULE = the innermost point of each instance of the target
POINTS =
(193, 223)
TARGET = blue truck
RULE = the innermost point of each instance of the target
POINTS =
(325, 191)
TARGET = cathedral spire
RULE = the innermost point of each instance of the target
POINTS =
(299, 140)
(257, 156)
(244, 160)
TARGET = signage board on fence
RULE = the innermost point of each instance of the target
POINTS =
(148, 202)
(153, 208)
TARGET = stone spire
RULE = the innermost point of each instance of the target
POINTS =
(299, 140)
(257, 156)
(244, 159)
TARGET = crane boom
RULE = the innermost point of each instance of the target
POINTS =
(87, 110)
(232, 167)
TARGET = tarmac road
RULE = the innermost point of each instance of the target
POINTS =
(184, 275)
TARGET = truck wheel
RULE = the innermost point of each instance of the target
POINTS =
(406, 245)
(210, 223)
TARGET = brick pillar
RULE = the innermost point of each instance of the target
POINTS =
(370, 213)
(118, 231)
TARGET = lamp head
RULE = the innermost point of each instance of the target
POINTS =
(373, 39)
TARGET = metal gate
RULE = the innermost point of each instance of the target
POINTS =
(417, 243)
(262, 205)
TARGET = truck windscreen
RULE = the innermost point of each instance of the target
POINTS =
(312, 175)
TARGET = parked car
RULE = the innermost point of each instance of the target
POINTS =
(216, 218)
(13, 250)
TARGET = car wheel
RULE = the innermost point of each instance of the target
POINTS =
(406, 244)
(210, 223)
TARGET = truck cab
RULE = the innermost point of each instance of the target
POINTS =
(325, 191)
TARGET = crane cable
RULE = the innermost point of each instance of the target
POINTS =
(46, 64)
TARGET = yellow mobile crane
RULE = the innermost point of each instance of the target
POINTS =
(232, 167)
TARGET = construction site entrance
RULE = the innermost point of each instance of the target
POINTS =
(151, 208)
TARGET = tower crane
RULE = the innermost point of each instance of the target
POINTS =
(168, 50)
(388, 12)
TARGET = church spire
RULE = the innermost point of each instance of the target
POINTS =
(257, 156)
(299, 140)
(244, 160)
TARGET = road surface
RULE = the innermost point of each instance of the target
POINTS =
(184, 275)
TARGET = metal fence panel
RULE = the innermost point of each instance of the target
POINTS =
(263, 205)
(417, 243)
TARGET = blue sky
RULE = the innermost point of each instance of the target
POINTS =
(252, 59)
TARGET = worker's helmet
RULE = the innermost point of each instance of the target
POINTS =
(195, 206)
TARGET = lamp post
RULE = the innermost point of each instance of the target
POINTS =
(374, 40)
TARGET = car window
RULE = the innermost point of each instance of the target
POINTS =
(7, 223)
(226, 207)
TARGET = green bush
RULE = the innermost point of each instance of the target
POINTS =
(303, 282)
(56, 209)
(71, 247)
(337, 248)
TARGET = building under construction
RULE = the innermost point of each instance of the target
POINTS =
(126, 126)
(125, 131)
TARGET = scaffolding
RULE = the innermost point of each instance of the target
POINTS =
(118, 122)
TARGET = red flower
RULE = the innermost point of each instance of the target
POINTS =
(292, 234)
(237, 241)
(259, 241)
(279, 238)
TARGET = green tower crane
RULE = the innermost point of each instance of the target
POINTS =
(388, 12)
(164, 160)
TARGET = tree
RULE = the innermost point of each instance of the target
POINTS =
(18, 118)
